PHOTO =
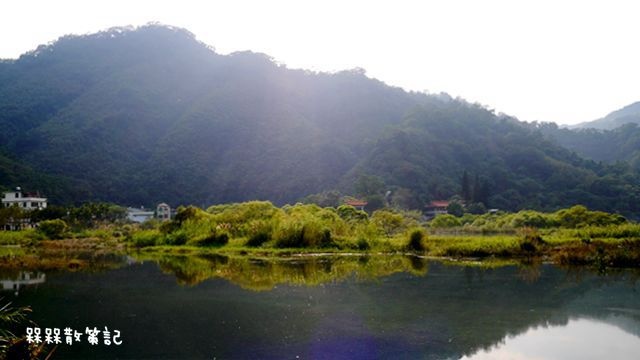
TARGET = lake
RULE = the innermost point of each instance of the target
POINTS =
(347, 307)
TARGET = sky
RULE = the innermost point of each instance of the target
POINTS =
(562, 61)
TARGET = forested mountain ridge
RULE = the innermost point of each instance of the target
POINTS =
(138, 116)
(609, 146)
(615, 119)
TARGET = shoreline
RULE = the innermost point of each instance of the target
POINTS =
(84, 253)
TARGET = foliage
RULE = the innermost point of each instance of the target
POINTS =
(53, 229)
(530, 240)
(11, 214)
(11, 345)
(216, 238)
(444, 221)
(145, 238)
(455, 209)
(388, 221)
(258, 239)
(572, 218)
(351, 214)
(417, 239)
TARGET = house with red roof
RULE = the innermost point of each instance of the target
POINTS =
(356, 203)
(436, 207)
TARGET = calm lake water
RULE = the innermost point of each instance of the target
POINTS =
(338, 308)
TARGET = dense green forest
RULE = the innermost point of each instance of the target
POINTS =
(139, 116)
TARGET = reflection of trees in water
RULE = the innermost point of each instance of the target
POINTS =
(454, 311)
(264, 274)
(529, 272)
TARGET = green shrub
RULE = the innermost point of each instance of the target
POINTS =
(389, 222)
(53, 229)
(258, 239)
(299, 234)
(349, 213)
(445, 221)
(176, 238)
(530, 240)
(216, 238)
(146, 238)
(363, 244)
(417, 239)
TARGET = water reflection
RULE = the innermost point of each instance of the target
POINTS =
(22, 279)
(340, 307)
(264, 274)
(579, 339)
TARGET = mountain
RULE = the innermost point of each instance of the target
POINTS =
(610, 146)
(139, 116)
(628, 114)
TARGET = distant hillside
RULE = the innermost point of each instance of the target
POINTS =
(610, 146)
(148, 115)
(628, 114)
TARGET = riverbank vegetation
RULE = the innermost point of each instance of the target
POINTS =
(569, 236)
(574, 236)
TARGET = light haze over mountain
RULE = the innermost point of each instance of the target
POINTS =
(140, 116)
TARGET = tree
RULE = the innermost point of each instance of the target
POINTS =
(455, 209)
(466, 187)
(476, 208)
(368, 185)
(53, 229)
(388, 221)
(445, 221)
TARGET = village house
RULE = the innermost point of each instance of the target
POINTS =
(139, 215)
(24, 200)
(358, 204)
(163, 212)
(436, 207)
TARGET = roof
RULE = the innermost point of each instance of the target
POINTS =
(355, 202)
(438, 203)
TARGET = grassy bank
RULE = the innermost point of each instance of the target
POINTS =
(572, 236)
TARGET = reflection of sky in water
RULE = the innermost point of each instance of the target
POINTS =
(578, 339)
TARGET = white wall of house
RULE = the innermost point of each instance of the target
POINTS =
(163, 212)
(139, 215)
(18, 198)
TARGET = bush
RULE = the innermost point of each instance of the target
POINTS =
(217, 238)
(53, 229)
(145, 238)
(417, 239)
(530, 240)
(445, 221)
(579, 216)
(455, 209)
(303, 234)
(388, 221)
(258, 239)
(349, 213)
(177, 238)
(363, 244)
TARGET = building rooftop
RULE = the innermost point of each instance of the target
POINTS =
(355, 202)
(438, 203)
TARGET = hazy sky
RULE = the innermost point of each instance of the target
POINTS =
(563, 61)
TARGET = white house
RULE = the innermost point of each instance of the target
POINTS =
(24, 200)
(139, 215)
(163, 212)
